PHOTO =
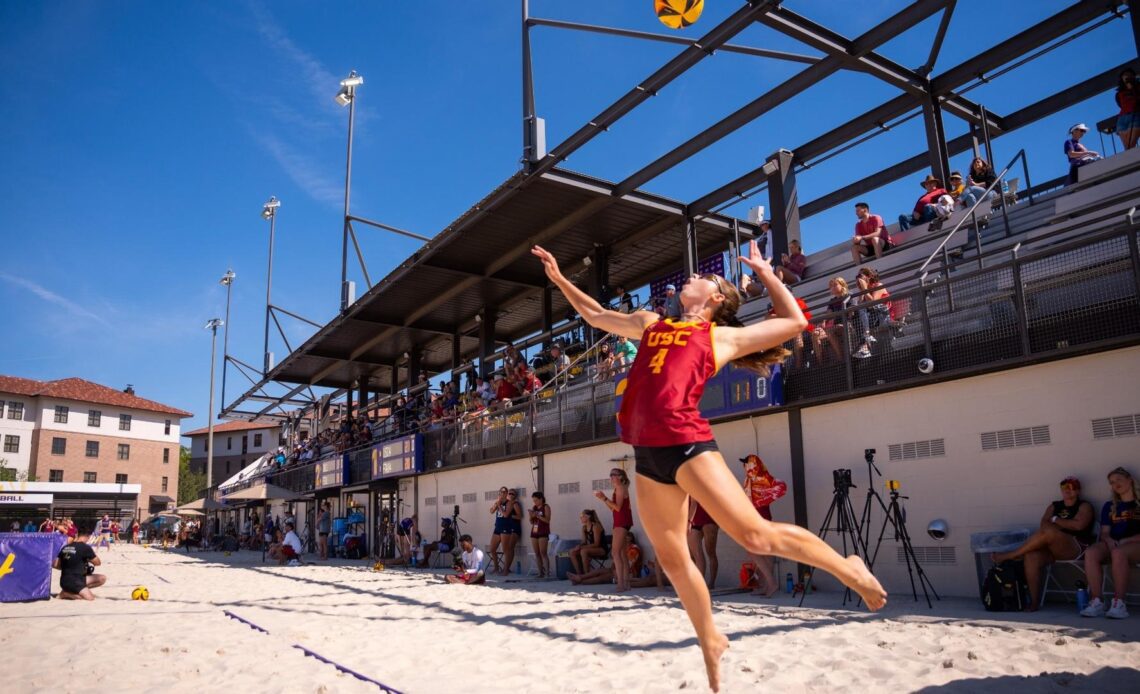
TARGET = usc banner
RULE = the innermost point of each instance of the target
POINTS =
(25, 565)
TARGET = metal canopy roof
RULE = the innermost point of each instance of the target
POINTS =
(483, 260)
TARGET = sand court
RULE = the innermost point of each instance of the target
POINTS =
(409, 631)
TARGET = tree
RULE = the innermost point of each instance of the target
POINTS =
(190, 484)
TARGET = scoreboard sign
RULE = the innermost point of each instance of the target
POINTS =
(399, 457)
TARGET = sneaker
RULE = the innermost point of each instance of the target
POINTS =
(863, 353)
(1117, 611)
(869, 339)
(1095, 608)
(294, 562)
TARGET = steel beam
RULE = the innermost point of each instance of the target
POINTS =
(665, 38)
(498, 277)
(909, 16)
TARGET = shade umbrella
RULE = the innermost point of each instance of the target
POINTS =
(202, 504)
(188, 512)
(264, 492)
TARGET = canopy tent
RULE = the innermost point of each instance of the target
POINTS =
(258, 467)
(202, 504)
(264, 492)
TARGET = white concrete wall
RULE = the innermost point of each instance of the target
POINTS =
(479, 480)
(973, 490)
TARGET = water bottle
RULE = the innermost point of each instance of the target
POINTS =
(413, 561)
(1082, 596)
(518, 567)
(790, 583)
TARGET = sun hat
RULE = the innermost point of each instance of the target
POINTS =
(1079, 126)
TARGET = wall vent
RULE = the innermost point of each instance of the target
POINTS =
(1016, 438)
(1116, 427)
(932, 554)
(491, 495)
(912, 450)
(430, 501)
(569, 487)
(449, 499)
(601, 485)
(470, 498)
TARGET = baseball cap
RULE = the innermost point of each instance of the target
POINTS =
(1079, 126)
(670, 288)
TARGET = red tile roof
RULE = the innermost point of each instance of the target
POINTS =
(84, 391)
(223, 427)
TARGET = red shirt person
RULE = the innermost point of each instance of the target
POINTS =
(871, 235)
(924, 207)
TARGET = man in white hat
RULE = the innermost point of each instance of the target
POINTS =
(1078, 154)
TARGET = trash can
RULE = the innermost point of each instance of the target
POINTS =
(984, 543)
(562, 565)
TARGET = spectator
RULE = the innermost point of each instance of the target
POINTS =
(511, 356)
(981, 175)
(703, 534)
(832, 329)
(472, 563)
(1065, 530)
(1077, 154)
(792, 264)
(1128, 122)
(513, 530)
(619, 504)
(624, 353)
(871, 289)
(591, 547)
(605, 368)
(290, 548)
(30, 526)
(324, 527)
(632, 562)
(672, 302)
(446, 541)
(76, 562)
(623, 300)
(924, 207)
(1119, 545)
(47, 526)
(505, 392)
(871, 235)
(484, 391)
(500, 509)
(540, 532)
(762, 489)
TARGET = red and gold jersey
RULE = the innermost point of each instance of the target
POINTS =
(664, 387)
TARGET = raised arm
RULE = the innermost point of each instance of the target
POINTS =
(788, 322)
(632, 325)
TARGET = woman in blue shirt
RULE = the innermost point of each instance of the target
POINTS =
(1119, 545)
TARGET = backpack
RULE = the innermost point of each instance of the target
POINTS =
(1004, 588)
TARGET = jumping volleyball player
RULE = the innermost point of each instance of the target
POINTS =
(675, 453)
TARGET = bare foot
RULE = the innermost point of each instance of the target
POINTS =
(715, 647)
(865, 584)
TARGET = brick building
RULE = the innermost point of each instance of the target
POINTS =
(72, 430)
(236, 444)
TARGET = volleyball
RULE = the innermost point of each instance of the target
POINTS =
(678, 14)
(378, 566)
(140, 593)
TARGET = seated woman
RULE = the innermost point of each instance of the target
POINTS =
(446, 541)
(793, 264)
(1066, 530)
(605, 574)
(593, 535)
(829, 332)
(1119, 546)
(871, 290)
(1077, 154)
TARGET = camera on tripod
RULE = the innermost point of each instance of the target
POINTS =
(869, 455)
(842, 478)
(893, 485)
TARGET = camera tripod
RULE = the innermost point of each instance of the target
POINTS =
(846, 525)
(896, 517)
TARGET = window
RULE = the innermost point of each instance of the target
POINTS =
(167, 429)
(15, 410)
(120, 478)
(94, 418)
(227, 467)
(92, 449)
(58, 445)
(1, 409)
(89, 477)
(206, 443)
(165, 456)
(229, 443)
(164, 480)
(55, 475)
(124, 422)
(61, 414)
(11, 444)
(124, 451)
(257, 440)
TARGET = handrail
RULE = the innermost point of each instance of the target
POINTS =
(921, 272)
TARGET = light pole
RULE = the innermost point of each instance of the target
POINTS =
(212, 325)
(228, 282)
(268, 211)
(347, 97)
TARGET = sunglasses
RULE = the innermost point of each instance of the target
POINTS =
(715, 280)
(1069, 487)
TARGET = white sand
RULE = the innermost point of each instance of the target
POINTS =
(416, 634)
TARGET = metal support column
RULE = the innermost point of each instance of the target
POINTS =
(936, 139)
(530, 153)
(348, 402)
(540, 472)
(413, 366)
(1134, 17)
(547, 315)
(486, 341)
(986, 136)
(690, 248)
(783, 199)
(799, 475)
(598, 282)
(362, 397)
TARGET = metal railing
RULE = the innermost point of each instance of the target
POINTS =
(971, 215)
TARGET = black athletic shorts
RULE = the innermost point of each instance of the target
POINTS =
(71, 583)
(660, 463)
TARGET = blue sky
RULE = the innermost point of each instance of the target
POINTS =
(138, 141)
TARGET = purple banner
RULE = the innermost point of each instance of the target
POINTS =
(25, 565)
(712, 265)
